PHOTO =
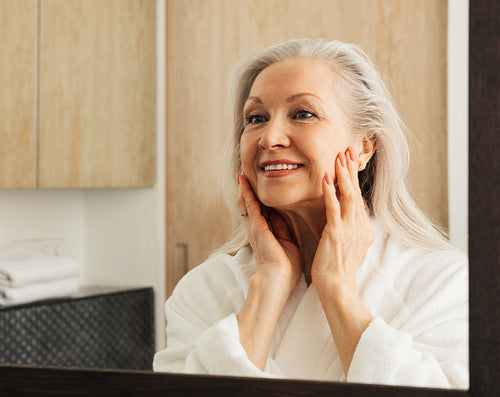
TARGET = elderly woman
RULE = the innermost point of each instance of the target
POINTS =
(334, 274)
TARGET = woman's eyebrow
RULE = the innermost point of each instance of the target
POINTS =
(254, 99)
(293, 97)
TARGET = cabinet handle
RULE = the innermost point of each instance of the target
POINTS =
(181, 260)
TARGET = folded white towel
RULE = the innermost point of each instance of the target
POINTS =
(34, 292)
(21, 267)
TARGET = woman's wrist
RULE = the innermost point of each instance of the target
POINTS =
(263, 305)
(342, 304)
(335, 287)
(259, 314)
(273, 285)
(346, 314)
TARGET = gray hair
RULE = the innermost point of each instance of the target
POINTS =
(369, 109)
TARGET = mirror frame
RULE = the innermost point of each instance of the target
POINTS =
(484, 274)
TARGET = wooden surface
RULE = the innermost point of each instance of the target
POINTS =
(97, 93)
(406, 39)
(78, 382)
(17, 93)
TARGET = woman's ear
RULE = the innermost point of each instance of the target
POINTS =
(368, 147)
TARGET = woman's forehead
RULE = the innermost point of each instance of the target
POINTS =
(293, 77)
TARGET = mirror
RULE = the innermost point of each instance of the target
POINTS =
(396, 38)
(483, 248)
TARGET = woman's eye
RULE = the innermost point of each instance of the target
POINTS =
(255, 119)
(303, 114)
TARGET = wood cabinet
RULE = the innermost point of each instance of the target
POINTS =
(90, 118)
(407, 40)
(17, 93)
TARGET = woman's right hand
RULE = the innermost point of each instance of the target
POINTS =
(277, 256)
(278, 270)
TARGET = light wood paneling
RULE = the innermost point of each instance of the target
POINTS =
(406, 39)
(17, 93)
(97, 93)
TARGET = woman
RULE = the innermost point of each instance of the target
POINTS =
(335, 274)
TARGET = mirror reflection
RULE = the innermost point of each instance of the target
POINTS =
(117, 235)
(333, 273)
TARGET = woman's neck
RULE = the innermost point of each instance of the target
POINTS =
(306, 226)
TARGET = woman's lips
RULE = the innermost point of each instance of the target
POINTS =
(279, 168)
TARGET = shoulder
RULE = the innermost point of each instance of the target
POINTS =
(412, 269)
(423, 264)
(222, 269)
(213, 280)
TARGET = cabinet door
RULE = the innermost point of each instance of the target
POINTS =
(97, 93)
(17, 93)
(406, 39)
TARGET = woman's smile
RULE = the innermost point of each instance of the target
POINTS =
(279, 168)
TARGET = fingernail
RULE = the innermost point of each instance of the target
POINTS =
(328, 178)
(352, 153)
(238, 178)
(342, 159)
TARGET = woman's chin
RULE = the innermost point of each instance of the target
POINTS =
(283, 203)
(277, 202)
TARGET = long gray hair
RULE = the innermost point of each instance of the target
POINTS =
(369, 109)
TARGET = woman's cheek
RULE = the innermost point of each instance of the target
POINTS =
(247, 155)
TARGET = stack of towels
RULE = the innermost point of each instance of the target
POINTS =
(27, 276)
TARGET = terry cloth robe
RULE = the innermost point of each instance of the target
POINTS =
(418, 337)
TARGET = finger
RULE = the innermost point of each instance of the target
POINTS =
(251, 203)
(352, 165)
(244, 211)
(241, 201)
(332, 204)
(353, 168)
(348, 198)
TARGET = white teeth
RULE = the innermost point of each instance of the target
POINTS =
(274, 167)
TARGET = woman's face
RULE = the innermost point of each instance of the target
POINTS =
(294, 130)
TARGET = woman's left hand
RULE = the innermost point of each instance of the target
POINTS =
(347, 234)
(341, 251)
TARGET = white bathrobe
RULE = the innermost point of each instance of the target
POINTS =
(418, 337)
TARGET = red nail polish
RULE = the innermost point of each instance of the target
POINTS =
(352, 153)
(342, 159)
(328, 178)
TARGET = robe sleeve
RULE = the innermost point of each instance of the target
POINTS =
(429, 346)
(202, 329)
(214, 349)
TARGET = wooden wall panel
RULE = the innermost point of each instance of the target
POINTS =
(406, 39)
(97, 93)
(17, 93)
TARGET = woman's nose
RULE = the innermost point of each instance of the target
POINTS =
(274, 136)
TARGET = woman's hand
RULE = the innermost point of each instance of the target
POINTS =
(341, 251)
(277, 256)
(278, 270)
(347, 233)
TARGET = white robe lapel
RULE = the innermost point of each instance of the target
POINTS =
(306, 348)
